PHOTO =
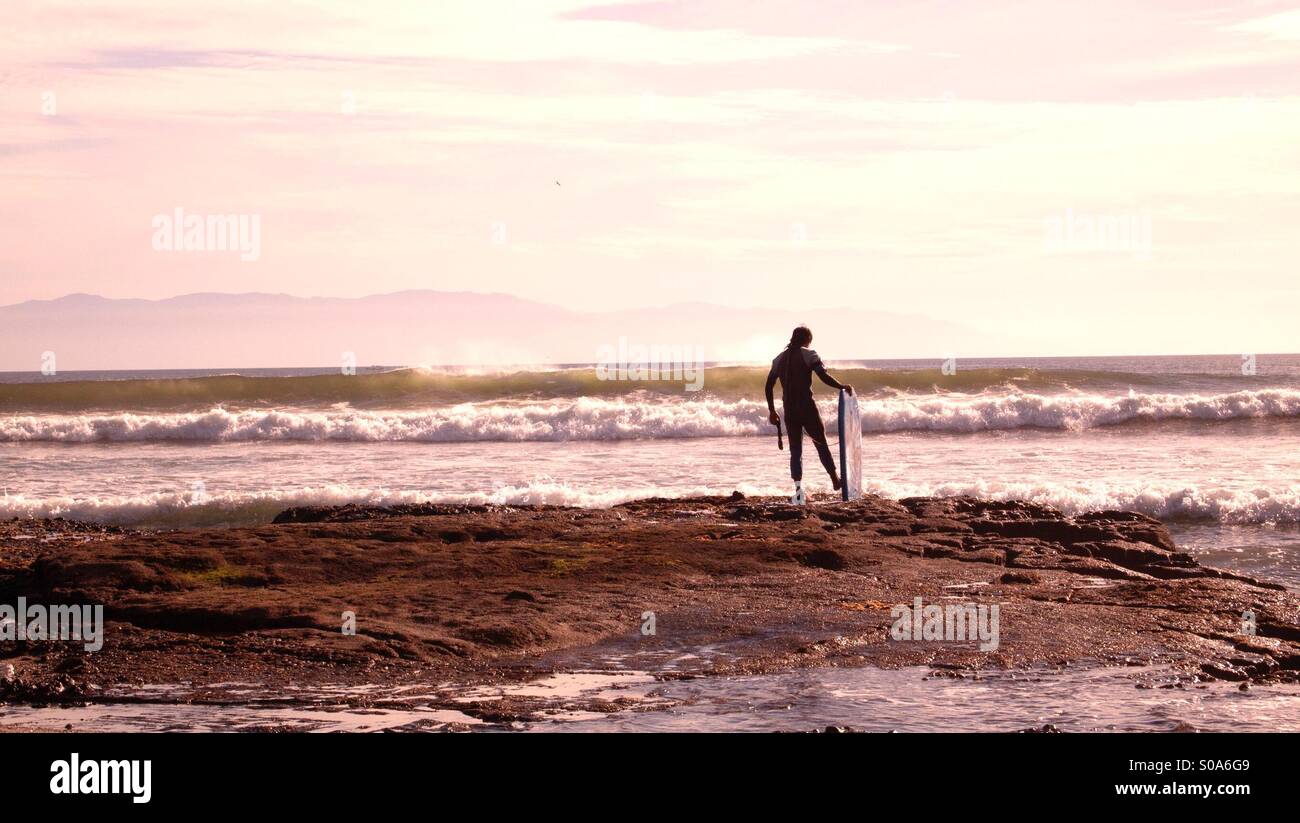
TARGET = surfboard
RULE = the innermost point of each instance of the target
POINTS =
(850, 446)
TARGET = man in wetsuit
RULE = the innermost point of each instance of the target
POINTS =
(795, 367)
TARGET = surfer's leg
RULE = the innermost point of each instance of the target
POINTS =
(794, 430)
(817, 433)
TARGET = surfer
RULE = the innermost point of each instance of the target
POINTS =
(795, 367)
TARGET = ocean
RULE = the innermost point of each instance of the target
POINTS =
(1208, 444)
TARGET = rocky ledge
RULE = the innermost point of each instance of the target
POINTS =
(478, 594)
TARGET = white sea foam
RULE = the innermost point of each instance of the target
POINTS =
(247, 508)
(1279, 505)
(589, 418)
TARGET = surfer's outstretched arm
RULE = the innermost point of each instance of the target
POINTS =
(771, 382)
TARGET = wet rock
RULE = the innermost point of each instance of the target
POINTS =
(816, 558)
(1020, 578)
(442, 591)
(59, 689)
(1224, 672)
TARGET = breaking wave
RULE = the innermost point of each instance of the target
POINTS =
(640, 417)
(418, 387)
(1169, 502)
(176, 510)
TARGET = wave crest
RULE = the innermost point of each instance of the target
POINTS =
(417, 387)
(589, 418)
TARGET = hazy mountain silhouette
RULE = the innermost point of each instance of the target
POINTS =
(212, 330)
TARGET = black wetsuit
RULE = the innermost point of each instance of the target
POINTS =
(795, 374)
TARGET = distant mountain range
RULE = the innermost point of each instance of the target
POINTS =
(254, 330)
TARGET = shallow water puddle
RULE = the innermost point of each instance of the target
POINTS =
(156, 717)
(915, 700)
(867, 699)
(588, 685)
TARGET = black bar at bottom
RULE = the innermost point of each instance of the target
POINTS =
(212, 772)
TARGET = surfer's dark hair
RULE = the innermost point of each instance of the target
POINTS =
(800, 337)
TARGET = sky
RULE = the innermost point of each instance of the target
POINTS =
(1101, 176)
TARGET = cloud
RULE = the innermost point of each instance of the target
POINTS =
(1282, 26)
(382, 149)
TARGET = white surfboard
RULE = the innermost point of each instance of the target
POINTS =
(850, 446)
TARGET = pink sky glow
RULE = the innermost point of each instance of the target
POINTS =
(903, 157)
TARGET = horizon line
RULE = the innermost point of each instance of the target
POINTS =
(439, 292)
(219, 371)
